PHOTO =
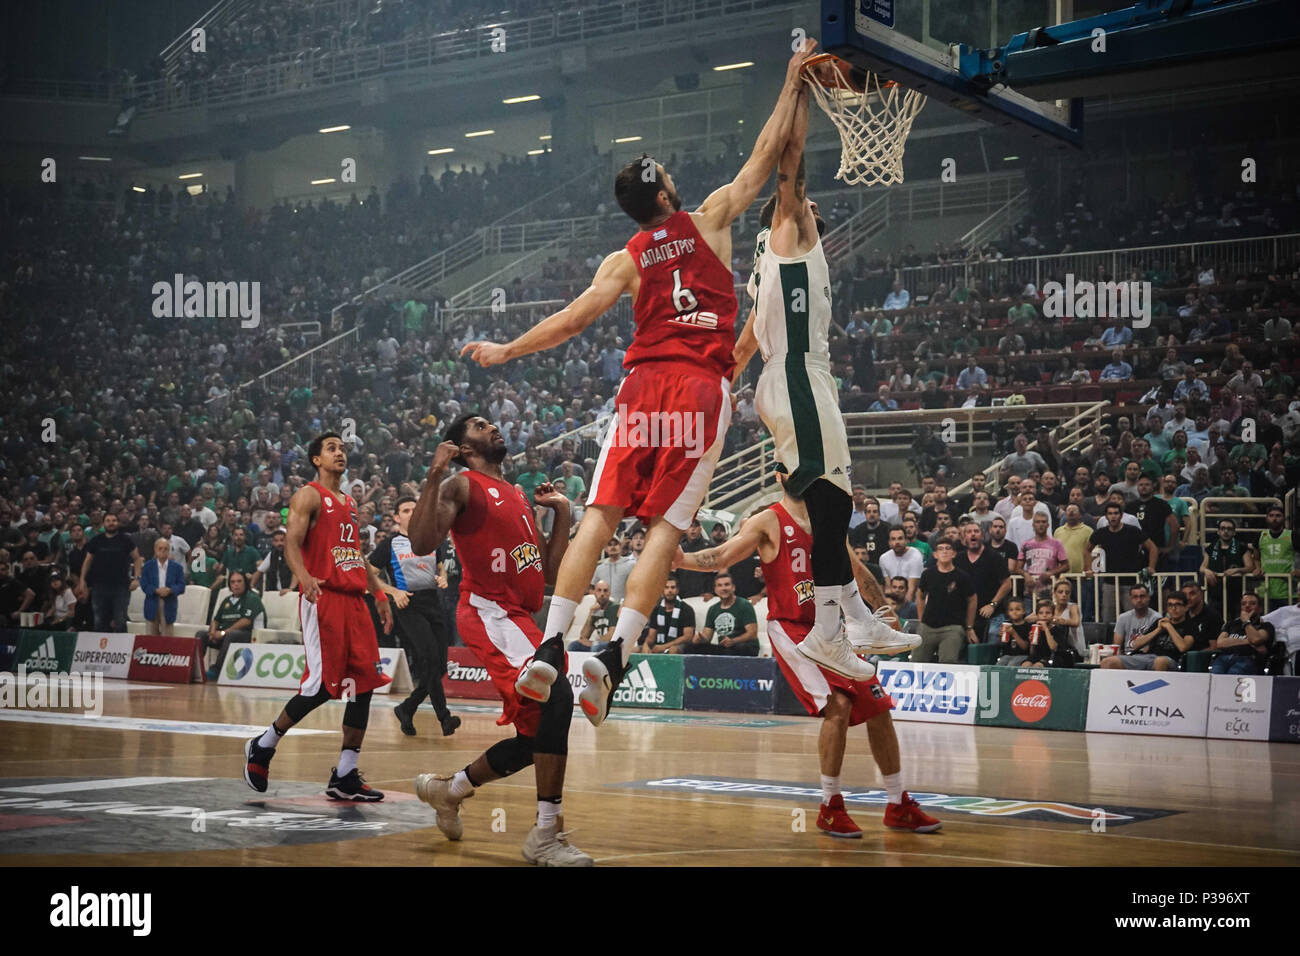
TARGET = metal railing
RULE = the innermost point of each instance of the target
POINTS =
(930, 198)
(301, 369)
(997, 222)
(481, 293)
(1103, 595)
(222, 11)
(1236, 255)
(740, 478)
(296, 71)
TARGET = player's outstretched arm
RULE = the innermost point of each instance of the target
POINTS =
(441, 501)
(791, 179)
(616, 275)
(729, 201)
(751, 536)
(302, 510)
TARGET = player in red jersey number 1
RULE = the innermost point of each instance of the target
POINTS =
(505, 566)
(323, 548)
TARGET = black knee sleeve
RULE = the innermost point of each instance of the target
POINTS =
(829, 510)
(510, 756)
(300, 706)
(557, 713)
(356, 713)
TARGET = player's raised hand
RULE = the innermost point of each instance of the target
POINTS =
(486, 354)
(311, 588)
(548, 496)
(798, 60)
(443, 455)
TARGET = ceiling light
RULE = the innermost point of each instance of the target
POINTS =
(521, 99)
(627, 139)
(97, 159)
(189, 176)
(321, 182)
(481, 132)
(335, 129)
(733, 66)
(545, 138)
(536, 152)
(439, 152)
(138, 189)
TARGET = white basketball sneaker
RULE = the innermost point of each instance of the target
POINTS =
(435, 790)
(551, 847)
(834, 654)
(876, 636)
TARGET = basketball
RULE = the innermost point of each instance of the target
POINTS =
(836, 74)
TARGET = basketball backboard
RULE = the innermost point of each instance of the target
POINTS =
(1007, 61)
(911, 42)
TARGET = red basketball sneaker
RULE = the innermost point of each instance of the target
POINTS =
(835, 821)
(908, 815)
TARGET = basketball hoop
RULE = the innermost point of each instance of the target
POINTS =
(872, 118)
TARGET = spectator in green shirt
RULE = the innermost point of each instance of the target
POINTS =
(572, 484)
(599, 628)
(731, 619)
(413, 313)
(233, 620)
(532, 477)
(241, 556)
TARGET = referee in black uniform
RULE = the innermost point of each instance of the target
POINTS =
(418, 615)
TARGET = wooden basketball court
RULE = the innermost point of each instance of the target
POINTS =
(650, 788)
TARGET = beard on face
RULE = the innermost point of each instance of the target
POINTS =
(494, 452)
(674, 200)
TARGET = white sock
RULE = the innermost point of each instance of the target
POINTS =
(559, 617)
(348, 760)
(855, 609)
(894, 787)
(830, 787)
(460, 786)
(547, 812)
(828, 610)
(629, 627)
(271, 738)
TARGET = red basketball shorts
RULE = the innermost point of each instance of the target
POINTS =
(341, 645)
(812, 684)
(670, 421)
(504, 639)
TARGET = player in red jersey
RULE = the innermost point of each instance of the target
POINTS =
(782, 535)
(674, 405)
(323, 549)
(505, 567)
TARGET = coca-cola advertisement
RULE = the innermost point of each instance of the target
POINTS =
(466, 676)
(1044, 698)
(1031, 701)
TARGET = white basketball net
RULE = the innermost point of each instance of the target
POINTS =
(872, 134)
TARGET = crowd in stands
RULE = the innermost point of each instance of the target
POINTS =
(118, 412)
(309, 34)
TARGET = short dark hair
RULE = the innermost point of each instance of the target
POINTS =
(1112, 504)
(317, 443)
(767, 212)
(455, 434)
(401, 501)
(635, 195)
(1139, 587)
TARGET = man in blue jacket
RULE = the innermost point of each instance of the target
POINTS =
(161, 580)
